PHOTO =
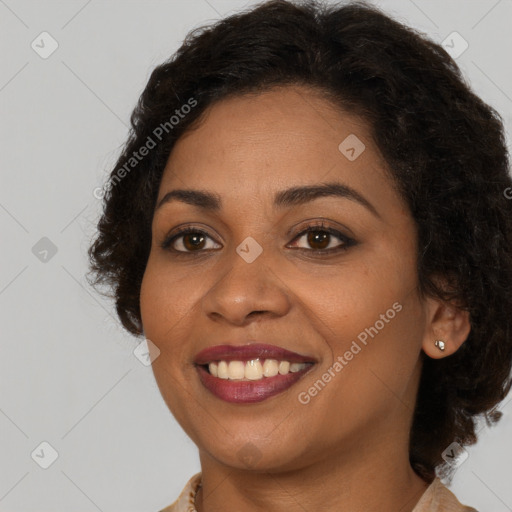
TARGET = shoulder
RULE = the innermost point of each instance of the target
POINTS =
(438, 498)
(185, 501)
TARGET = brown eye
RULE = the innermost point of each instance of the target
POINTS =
(193, 241)
(188, 240)
(318, 239)
(322, 239)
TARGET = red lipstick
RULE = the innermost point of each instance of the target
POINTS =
(249, 391)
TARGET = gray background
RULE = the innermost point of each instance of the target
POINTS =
(68, 374)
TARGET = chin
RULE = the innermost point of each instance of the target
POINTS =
(260, 455)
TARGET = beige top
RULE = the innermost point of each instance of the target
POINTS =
(437, 498)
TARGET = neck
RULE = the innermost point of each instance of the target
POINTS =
(370, 478)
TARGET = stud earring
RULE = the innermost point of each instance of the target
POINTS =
(439, 344)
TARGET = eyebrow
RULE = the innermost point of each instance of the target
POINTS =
(285, 198)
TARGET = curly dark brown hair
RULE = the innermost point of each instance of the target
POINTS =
(445, 146)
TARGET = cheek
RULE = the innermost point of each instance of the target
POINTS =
(371, 317)
(166, 295)
(374, 380)
(387, 337)
(167, 319)
(381, 313)
(167, 307)
(342, 302)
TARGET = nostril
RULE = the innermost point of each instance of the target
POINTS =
(256, 312)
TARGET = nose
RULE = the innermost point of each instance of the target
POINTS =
(243, 292)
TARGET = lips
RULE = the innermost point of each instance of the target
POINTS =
(249, 391)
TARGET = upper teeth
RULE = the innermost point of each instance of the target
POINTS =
(253, 369)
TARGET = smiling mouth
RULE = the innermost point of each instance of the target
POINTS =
(251, 372)
(260, 381)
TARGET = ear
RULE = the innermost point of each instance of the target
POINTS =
(445, 322)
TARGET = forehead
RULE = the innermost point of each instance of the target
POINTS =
(272, 140)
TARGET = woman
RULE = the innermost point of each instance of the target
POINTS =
(309, 223)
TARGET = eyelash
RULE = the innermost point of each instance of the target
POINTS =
(320, 227)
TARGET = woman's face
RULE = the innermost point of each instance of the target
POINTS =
(347, 301)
